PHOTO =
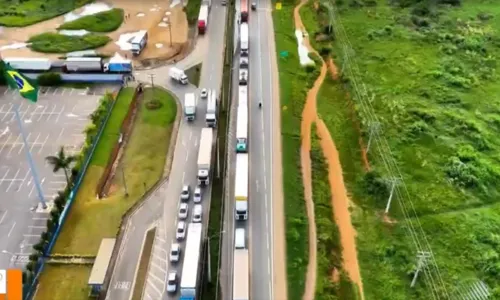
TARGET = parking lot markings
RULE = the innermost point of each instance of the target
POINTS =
(15, 176)
(9, 111)
(3, 216)
(5, 144)
(43, 144)
(4, 176)
(16, 143)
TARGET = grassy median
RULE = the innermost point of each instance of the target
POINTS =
(90, 219)
(64, 282)
(105, 21)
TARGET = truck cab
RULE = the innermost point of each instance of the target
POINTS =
(241, 210)
(241, 145)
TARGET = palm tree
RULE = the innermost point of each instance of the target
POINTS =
(61, 161)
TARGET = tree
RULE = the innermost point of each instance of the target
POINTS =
(61, 161)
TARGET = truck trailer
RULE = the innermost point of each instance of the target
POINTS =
(211, 117)
(205, 156)
(178, 75)
(139, 42)
(83, 64)
(241, 290)
(244, 39)
(191, 268)
(242, 129)
(190, 106)
(203, 19)
(241, 187)
(29, 64)
(243, 95)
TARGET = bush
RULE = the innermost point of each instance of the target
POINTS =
(49, 79)
(45, 236)
(39, 247)
(105, 21)
(50, 225)
(59, 43)
(31, 266)
(34, 257)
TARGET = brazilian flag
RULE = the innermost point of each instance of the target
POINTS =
(27, 88)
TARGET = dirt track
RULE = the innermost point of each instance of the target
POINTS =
(340, 200)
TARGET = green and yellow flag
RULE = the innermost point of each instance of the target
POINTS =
(27, 88)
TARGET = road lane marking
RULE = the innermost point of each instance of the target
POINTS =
(12, 228)
(3, 217)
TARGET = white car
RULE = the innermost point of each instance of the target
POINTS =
(204, 93)
(197, 195)
(183, 211)
(186, 192)
(180, 233)
(175, 252)
(197, 212)
(172, 282)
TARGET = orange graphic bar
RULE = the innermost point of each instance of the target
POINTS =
(14, 284)
(3, 297)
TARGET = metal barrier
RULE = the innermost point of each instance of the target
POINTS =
(28, 290)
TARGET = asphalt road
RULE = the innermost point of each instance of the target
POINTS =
(183, 171)
(260, 153)
(57, 119)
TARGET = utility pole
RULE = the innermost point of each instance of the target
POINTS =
(373, 128)
(168, 13)
(422, 260)
(124, 181)
(393, 182)
(152, 77)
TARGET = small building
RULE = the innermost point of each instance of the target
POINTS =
(101, 264)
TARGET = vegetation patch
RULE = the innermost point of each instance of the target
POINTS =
(295, 81)
(194, 74)
(15, 13)
(49, 79)
(105, 21)
(143, 162)
(432, 71)
(142, 272)
(192, 10)
(60, 43)
(63, 282)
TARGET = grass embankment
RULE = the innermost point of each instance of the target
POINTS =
(192, 10)
(432, 70)
(294, 84)
(24, 13)
(90, 219)
(105, 21)
(59, 43)
(63, 282)
(194, 74)
(142, 272)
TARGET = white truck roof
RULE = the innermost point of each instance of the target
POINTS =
(242, 123)
(240, 275)
(243, 95)
(24, 59)
(189, 100)
(191, 256)
(203, 16)
(139, 36)
(244, 32)
(205, 152)
(212, 102)
(241, 177)
(72, 59)
(176, 72)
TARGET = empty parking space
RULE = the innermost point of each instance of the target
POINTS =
(57, 119)
(158, 266)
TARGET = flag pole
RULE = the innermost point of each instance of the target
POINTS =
(30, 158)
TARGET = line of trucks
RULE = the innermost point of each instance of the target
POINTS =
(72, 65)
(190, 104)
(241, 281)
(203, 16)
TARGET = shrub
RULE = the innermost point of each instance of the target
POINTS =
(39, 247)
(31, 266)
(55, 213)
(34, 257)
(105, 21)
(50, 225)
(59, 43)
(49, 79)
(45, 236)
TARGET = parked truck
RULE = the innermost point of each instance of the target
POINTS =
(178, 75)
(29, 64)
(244, 39)
(241, 187)
(191, 269)
(211, 117)
(242, 129)
(139, 42)
(203, 19)
(83, 64)
(190, 106)
(118, 65)
(205, 156)
(241, 283)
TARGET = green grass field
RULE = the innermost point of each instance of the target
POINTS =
(105, 21)
(194, 74)
(59, 43)
(144, 159)
(436, 93)
(27, 12)
(63, 282)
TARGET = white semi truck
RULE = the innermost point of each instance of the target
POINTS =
(242, 129)
(211, 117)
(190, 106)
(178, 75)
(191, 270)
(29, 64)
(83, 64)
(241, 187)
(205, 156)
(241, 290)
(244, 39)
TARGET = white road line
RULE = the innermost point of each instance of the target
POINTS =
(31, 235)
(52, 112)
(15, 143)
(10, 184)
(55, 91)
(59, 114)
(5, 175)
(37, 227)
(7, 142)
(3, 216)
(42, 113)
(257, 185)
(35, 142)
(63, 91)
(43, 144)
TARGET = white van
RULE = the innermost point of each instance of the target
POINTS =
(239, 238)
(197, 212)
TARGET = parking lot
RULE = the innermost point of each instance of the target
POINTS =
(57, 119)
